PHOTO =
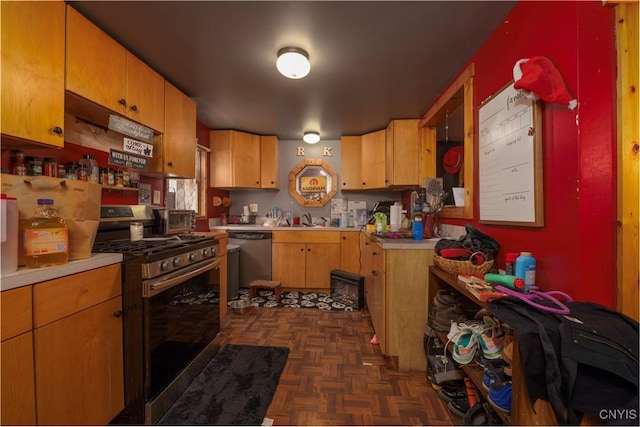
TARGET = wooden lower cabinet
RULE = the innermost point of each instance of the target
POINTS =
(396, 286)
(78, 348)
(304, 259)
(17, 383)
(350, 254)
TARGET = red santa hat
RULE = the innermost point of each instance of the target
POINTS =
(539, 78)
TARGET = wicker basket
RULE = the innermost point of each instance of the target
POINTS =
(462, 267)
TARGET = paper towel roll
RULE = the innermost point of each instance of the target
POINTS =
(396, 215)
(245, 210)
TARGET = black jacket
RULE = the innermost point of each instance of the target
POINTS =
(585, 362)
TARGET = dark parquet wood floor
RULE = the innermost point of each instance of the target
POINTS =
(333, 375)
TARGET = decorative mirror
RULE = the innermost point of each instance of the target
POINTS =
(313, 182)
(457, 99)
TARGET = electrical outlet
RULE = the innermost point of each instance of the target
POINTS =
(156, 197)
(253, 207)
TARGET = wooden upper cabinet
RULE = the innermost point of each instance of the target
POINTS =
(402, 148)
(235, 159)
(373, 160)
(351, 163)
(175, 151)
(101, 70)
(269, 171)
(32, 71)
(96, 63)
(145, 94)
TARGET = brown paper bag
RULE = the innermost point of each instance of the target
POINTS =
(78, 202)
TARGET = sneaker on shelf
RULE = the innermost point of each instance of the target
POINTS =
(452, 390)
(458, 407)
(444, 315)
(494, 378)
(446, 297)
(464, 342)
(490, 338)
(442, 369)
(500, 397)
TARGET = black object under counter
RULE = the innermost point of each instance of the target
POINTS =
(347, 288)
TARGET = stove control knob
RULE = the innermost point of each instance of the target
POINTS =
(193, 257)
(176, 262)
(164, 265)
(205, 252)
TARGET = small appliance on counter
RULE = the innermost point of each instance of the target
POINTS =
(174, 221)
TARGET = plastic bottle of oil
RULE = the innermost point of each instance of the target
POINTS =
(46, 237)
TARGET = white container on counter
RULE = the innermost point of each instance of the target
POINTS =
(9, 234)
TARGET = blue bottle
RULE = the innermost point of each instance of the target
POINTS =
(526, 270)
(416, 231)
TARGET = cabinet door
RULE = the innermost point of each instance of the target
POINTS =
(179, 139)
(288, 264)
(245, 160)
(350, 255)
(402, 144)
(17, 387)
(96, 64)
(321, 259)
(79, 368)
(376, 293)
(33, 71)
(145, 94)
(373, 160)
(269, 162)
(351, 162)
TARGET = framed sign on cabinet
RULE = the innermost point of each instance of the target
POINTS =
(510, 160)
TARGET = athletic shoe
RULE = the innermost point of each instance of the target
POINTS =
(500, 398)
(464, 342)
(490, 338)
(494, 378)
(444, 315)
(452, 390)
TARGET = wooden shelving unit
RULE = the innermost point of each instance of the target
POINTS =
(522, 412)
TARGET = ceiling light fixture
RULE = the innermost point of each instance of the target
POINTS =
(311, 137)
(293, 62)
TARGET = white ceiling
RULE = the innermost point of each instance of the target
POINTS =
(371, 61)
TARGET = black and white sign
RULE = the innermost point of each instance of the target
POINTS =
(120, 158)
(137, 147)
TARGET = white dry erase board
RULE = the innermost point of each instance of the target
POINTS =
(510, 160)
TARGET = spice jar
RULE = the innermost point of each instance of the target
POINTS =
(35, 166)
(119, 179)
(104, 176)
(50, 167)
(72, 171)
(19, 163)
(111, 179)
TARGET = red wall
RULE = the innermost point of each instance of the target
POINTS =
(576, 248)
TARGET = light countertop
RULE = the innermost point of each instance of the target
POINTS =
(385, 243)
(29, 276)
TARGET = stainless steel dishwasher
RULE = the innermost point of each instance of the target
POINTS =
(255, 255)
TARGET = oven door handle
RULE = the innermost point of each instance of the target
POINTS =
(154, 287)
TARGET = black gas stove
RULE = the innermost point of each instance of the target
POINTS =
(170, 300)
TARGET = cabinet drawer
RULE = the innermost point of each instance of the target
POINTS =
(300, 236)
(15, 312)
(55, 299)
